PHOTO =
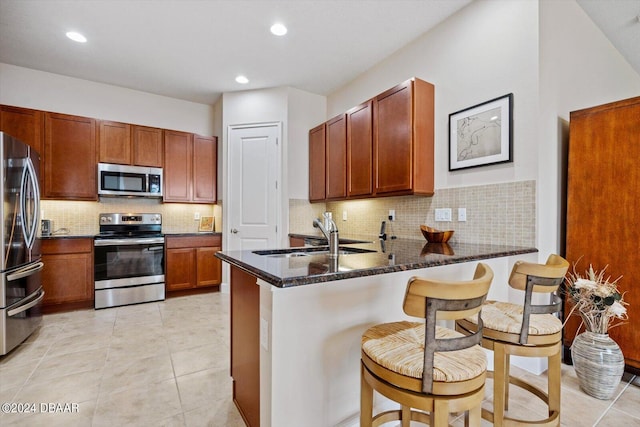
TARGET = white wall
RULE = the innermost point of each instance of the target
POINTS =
(579, 68)
(550, 55)
(24, 87)
(486, 50)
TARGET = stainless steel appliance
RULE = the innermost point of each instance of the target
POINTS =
(128, 259)
(21, 292)
(123, 180)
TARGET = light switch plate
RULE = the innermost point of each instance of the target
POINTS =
(443, 214)
(462, 214)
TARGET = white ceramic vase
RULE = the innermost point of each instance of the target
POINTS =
(599, 364)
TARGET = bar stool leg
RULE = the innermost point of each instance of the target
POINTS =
(440, 413)
(553, 382)
(507, 376)
(366, 400)
(499, 383)
(406, 416)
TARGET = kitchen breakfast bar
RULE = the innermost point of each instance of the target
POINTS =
(297, 317)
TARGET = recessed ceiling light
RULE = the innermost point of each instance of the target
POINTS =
(278, 29)
(76, 37)
(242, 80)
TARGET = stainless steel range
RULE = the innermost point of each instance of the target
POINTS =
(129, 259)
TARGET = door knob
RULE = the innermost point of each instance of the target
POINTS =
(234, 231)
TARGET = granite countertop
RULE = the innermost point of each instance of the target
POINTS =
(380, 257)
(91, 236)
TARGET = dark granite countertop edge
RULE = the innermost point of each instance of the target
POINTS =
(341, 275)
(91, 236)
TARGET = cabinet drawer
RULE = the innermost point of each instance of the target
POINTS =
(66, 246)
(177, 242)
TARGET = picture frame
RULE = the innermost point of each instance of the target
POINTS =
(207, 223)
(482, 135)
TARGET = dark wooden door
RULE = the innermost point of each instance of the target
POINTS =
(70, 157)
(317, 164)
(25, 124)
(337, 157)
(360, 150)
(178, 166)
(205, 163)
(147, 146)
(114, 141)
(393, 144)
(603, 207)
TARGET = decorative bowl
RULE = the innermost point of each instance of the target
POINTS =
(434, 235)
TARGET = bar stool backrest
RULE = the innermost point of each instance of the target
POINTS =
(446, 300)
(538, 278)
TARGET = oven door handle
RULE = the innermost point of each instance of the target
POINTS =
(24, 272)
(116, 242)
(27, 306)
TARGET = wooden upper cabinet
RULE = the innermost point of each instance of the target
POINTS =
(205, 166)
(178, 166)
(336, 146)
(190, 167)
(126, 144)
(317, 162)
(403, 139)
(70, 157)
(147, 146)
(114, 140)
(25, 124)
(360, 150)
(383, 147)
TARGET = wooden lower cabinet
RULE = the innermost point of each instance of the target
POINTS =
(67, 277)
(245, 345)
(191, 262)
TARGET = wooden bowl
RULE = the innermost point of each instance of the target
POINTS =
(435, 236)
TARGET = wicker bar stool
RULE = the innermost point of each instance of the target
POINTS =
(424, 366)
(526, 330)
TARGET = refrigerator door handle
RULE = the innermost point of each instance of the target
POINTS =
(27, 271)
(27, 306)
(29, 177)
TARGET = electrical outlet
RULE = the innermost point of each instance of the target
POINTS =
(196, 216)
(443, 214)
(392, 214)
(462, 214)
(344, 215)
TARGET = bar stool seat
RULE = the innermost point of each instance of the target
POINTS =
(430, 370)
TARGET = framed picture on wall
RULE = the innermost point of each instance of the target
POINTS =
(481, 135)
(207, 223)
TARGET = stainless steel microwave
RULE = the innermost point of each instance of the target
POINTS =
(123, 180)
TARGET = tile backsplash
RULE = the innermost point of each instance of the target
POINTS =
(496, 213)
(81, 218)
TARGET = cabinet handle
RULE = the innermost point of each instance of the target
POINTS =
(234, 231)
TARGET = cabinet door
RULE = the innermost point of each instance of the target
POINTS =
(180, 269)
(67, 276)
(317, 162)
(337, 157)
(114, 141)
(69, 157)
(360, 150)
(24, 124)
(603, 189)
(209, 267)
(147, 146)
(393, 150)
(205, 166)
(178, 166)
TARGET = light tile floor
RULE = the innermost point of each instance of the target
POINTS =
(167, 364)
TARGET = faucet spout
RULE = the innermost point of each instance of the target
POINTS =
(330, 231)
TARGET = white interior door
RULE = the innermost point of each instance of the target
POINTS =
(254, 194)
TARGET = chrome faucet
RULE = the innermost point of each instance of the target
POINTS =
(330, 231)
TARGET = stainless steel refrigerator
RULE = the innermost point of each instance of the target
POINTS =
(21, 265)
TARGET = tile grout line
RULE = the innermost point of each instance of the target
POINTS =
(614, 401)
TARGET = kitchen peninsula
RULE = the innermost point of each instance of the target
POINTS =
(297, 317)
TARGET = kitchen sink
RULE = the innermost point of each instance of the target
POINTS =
(301, 252)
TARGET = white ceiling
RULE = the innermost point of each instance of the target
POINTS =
(193, 49)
